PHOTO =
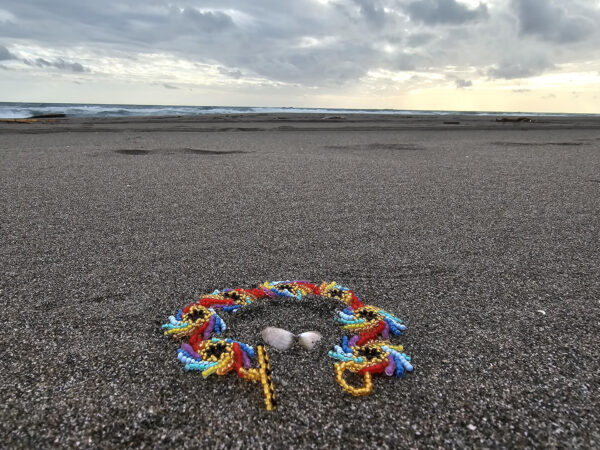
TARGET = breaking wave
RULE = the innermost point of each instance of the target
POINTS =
(25, 110)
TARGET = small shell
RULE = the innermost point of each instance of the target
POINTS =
(309, 339)
(277, 337)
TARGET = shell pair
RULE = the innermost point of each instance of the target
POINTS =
(283, 339)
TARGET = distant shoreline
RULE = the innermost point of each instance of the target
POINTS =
(287, 122)
(24, 110)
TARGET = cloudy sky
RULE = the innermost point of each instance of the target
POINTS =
(511, 55)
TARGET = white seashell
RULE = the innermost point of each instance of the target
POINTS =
(309, 339)
(277, 337)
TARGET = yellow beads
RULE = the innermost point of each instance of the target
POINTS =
(206, 373)
(265, 377)
(366, 360)
(354, 326)
(225, 366)
(250, 374)
(398, 348)
(218, 352)
(178, 332)
(331, 290)
(342, 367)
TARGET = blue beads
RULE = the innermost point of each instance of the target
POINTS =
(399, 369)
(199, 366)
(349, 322)
(219, 325)
(339, 356)
(345, 316)
(408, 366)
(231, 308)
(186, 358)
(394, 328)
(341, 351)
(345, 345)
(387, 314)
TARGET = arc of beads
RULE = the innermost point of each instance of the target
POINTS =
(367, 352)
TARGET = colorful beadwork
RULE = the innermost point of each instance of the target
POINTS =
(367, 352)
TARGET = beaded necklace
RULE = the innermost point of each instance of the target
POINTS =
(366, 353)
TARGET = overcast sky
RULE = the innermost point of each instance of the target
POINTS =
(513, 55)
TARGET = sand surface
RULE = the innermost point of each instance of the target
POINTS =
(482, 236)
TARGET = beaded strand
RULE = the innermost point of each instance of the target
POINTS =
(368, 351)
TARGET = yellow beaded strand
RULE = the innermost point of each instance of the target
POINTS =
(340, 369)
(265, 377)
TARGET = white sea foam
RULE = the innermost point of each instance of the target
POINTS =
(24, 110)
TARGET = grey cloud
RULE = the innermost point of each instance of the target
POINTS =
(60, 64)
(552, 21)
(169, 86)
(452, 12)
(521, 66)
(460, 83)
(5, 54)
(326, 66)
(261, 38)
(372, 12)
(237, 74)
(405, 61)
(210, 21)
(303, 42)
(419, 39)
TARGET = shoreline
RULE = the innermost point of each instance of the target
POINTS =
(117, 110)
(298, 122)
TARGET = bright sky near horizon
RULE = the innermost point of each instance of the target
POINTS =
(488, 55)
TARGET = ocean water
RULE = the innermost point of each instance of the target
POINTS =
(24, 110)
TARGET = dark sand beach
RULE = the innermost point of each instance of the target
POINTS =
(482, 236)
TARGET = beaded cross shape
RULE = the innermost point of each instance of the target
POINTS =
(367, 352)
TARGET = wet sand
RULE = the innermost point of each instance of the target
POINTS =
(482, 236)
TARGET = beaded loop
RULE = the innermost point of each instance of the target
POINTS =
(366, 353)
(340, 369)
